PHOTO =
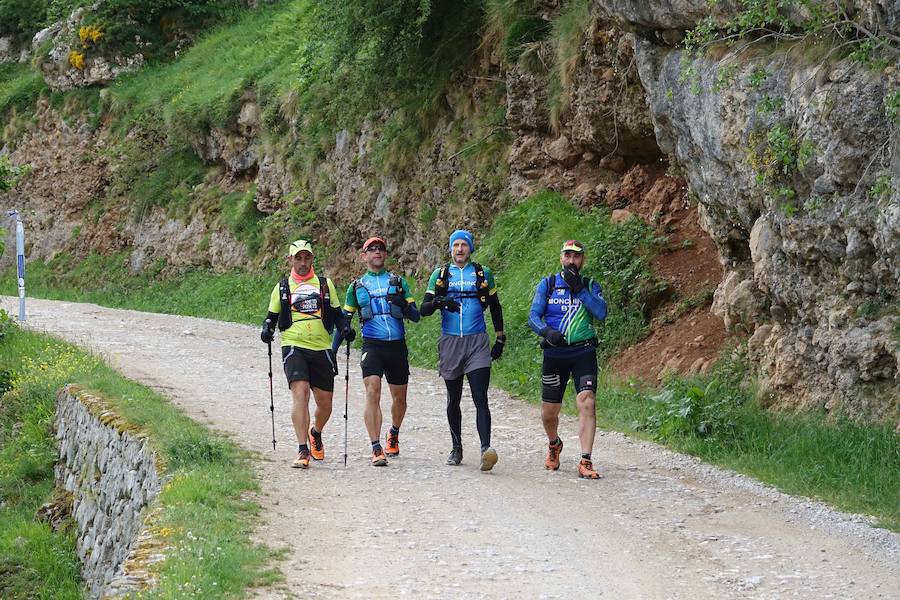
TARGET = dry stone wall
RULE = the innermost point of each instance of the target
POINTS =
(112, 475)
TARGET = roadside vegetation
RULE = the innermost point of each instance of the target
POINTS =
(203, 516)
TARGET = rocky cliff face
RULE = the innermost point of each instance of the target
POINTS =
(810, 249)
(787, 149)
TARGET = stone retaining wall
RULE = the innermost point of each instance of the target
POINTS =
(111, 472)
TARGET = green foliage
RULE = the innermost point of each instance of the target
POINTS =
(203, 516)
(565, 39)
(892, 105)
(10, 175)
(768, 104)
(757, 77)
(169, 180)
(20, 87)
(525, 30)
(21, 19)
(776, 157)
(881, 187)
(156, 28)
(6, 326)
(715, 417)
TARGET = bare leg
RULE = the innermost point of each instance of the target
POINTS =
(323, 407)
(587, 420)
(372, 412)
(550, 416)
(300, 409)
(398, 406)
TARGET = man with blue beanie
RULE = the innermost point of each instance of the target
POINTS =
(462, 290)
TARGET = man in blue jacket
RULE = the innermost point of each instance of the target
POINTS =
(562, 313)
(462, 290)
(382, 300)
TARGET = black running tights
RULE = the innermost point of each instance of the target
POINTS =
(479, 380)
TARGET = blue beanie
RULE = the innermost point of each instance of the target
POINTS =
(462, 234)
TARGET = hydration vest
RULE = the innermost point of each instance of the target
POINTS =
(482, 292)
(285, 320)
(366, 311)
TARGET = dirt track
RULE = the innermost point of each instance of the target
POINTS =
(659, 525)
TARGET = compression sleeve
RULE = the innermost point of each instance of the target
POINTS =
(496, 312)
(428, 306)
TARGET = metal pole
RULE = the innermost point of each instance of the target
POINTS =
(20, 260)
(346, 398)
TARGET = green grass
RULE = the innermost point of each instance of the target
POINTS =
(203, 515)
(20, 87)
(235, 296)
(203, 88)
(853, 466)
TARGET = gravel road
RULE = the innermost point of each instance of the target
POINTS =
(658, 525)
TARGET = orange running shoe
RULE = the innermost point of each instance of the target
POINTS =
(392, 444)
(551, 463)
(302, 460)
(316, 447)
(586, 470)
(378, 458)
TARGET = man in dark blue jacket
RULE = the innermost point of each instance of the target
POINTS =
(562, 313)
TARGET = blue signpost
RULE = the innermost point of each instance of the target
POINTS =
(20, 260)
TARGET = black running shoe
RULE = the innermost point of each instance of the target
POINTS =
(455, 456)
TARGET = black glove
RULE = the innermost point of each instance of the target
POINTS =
(397, 300)
(573, 279)
(267, 335)
(446, 304)
(497, 348)
(348, 333)
(553, 337)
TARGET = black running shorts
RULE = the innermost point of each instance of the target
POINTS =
(318, 367)
(389, 359)
(556, 372)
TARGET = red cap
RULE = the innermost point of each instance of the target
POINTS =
(373, 240)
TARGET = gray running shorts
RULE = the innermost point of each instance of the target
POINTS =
(458, 355)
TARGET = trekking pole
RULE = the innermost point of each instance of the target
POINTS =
(271, 393)
(346, 397)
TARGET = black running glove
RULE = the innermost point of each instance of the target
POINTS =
(497, 348)
(553, 337)
(267, 335)
(573, 279)
(397, 300)
(348, 333)
(445, 303)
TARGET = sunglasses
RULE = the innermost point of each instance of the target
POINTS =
(376, 248)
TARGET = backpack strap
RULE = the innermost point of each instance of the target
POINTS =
(550, 284)
(285, 320)
(327, 311)
(482, 289)
(442, 285)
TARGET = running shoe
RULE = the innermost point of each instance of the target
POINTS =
(586, 470)
(302, 460)
(378, 458)
(551, 463)
(488, 459)
(392, 445)
(316, 447)
(455, 456)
